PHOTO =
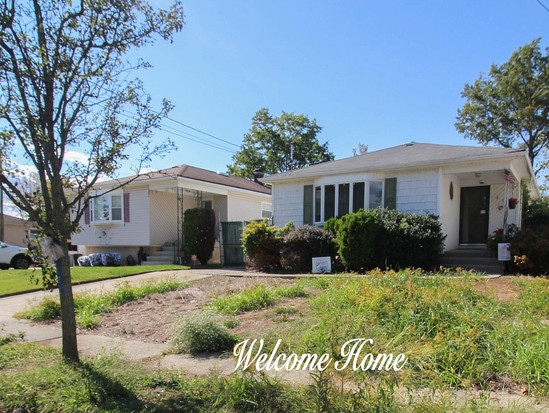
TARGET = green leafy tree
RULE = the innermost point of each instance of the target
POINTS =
(510, 106)
(66, 84)
(279, 144)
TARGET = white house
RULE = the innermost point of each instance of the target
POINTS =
(471, 189)
(148, 211)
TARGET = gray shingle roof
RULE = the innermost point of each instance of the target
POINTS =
(203, 175)
(404, 156)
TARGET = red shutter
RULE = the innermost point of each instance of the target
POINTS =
(87, 212)
(126, 207)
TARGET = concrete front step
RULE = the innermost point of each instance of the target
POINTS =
(453, 261)
(477, 259)
(162, 254)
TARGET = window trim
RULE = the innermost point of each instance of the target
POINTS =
(351, 184)
(110, 220)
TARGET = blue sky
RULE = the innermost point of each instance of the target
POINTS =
(376, 72)
(381, 73)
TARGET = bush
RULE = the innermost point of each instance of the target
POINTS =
(408, 240)
(387, 239)
(304, 243)
(203, 332)
(262, 244)
(356, 238)
(199, 233)
(529, 248)
(536, 213)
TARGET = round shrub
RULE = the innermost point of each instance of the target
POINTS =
(408, 240)
(302, 244)
(262, 244)
(356, 238)
(203, 332)
(199, 233)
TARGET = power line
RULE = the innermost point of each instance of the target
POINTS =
(202, 132)
(543, 5)
(182, 134)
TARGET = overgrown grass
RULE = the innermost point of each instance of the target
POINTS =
(256, 298)
(21, 281)
(33, 378)
(89, 307)
(452, 334)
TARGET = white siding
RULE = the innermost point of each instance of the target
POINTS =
(417, 191)
(245, 206)
(163, 217)
(133, 233)
(220, 207)
(449, 211)
(497, 207)
(288, 203)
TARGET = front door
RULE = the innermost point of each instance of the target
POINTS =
(473, 219)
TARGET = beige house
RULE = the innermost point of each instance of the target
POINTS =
(17, 231)
(148, 211)
(473, 190)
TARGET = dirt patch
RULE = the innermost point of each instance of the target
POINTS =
(501, 288)
(153, 318)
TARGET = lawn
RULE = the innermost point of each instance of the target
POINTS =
(463, 337)
(19, 281)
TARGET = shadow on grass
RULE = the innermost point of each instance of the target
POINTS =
(108, 393)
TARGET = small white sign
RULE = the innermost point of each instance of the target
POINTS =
(504, 251)
(322, 265)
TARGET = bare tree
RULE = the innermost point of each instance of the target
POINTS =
(66, 84)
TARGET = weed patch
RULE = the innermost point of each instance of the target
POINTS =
(202, 332)
(89, 307)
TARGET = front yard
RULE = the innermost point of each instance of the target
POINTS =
(463, 337)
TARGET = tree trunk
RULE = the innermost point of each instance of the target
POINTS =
(68, 319)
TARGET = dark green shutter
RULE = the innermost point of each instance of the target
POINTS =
(308, 205)
(390, 201)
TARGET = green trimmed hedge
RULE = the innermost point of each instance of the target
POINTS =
(199, 233)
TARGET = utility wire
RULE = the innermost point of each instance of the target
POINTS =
(202, 132)
(182, 134)
(543, 5)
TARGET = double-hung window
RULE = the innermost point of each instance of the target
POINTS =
(107, 208)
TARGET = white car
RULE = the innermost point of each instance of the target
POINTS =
(12, 256)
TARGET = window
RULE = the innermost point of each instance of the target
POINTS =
(375, 195)
(390, 200)
(106, 208)
(358, 196)
(343, 200)
(207, 204)
(308, 205)
(266, 210)
(318, 201)
(329, 202)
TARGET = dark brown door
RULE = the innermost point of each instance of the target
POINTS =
(473, 220)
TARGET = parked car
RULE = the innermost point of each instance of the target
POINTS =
(12, 256)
